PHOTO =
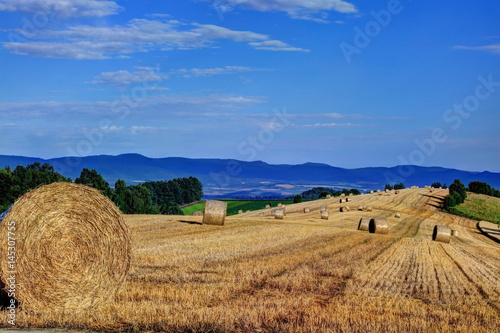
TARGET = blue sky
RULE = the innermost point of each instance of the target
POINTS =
(347, 83)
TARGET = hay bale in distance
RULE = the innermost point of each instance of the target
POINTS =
(361, 207)
(398, 215)
(371, 192)
(396, 192)
(215, 212)
(324, 215)
(347, 200)
(72, 246)
(240, 211)
(273, 212)
(280, 204)
(351, 194)
(323, 208)
(364, 224)
(198, 213)
(279, 214)
(342, 194)
(378, 226)
(261, 214)
(341, 200)
(369, 208)
(328, 196)
(455, 233)
(344, 209)
(307, 210)
(268, 206)
(441, 233)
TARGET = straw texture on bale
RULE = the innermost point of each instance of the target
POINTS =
(441, 233)
(364, 224)
(324, 215)
(369, 208)
(323, 208)
(361, 207)
(279, 214)
(398, 215)
(307, 210)
(342, 194)
(268, 206)
(344, 209)
(378, 226)
(72, 246)
(273, 212)
(328, 196)
(341, 200)
(455, 233)
(198, 213)
(215, 212)
(347, 200)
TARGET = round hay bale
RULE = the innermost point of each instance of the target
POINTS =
(378, 191)
(369, 208)
(324, 215)
(364, 224)
(240, 211)
(248, 211)
(261, 214)
(341, 200)
(361, 207)
(378, 226)
(72, 248)
(344, 209)
(273, 212)
(323, 208)
(441, 233)
(347, 200)
(307, 210)
(371, 192)
(351, 194)
(268, 206)
(398, 215)
(279, 214)
(396, 192)
(280, 204)
(198, 213)
(328, 196)
(455, 233)
(342, 194)
(215, 212)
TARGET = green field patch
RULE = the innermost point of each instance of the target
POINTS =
(479, 207)
(233, 206)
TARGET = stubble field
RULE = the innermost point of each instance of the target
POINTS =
(303, 274)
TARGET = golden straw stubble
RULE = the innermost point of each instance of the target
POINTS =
(72, 247)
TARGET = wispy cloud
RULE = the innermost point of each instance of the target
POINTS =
(316, 10)
(123, 77)
(66, 8)
(494, 48)
(212, 71)
(138, 35)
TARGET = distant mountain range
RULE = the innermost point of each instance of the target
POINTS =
(232, 178)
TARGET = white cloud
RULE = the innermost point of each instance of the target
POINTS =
(315, 10)
(212, 71)
(62, 8)
(120, 78)
(138, 35)
(494, 48)
(275, 45)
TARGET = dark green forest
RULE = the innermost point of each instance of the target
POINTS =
(156, 197)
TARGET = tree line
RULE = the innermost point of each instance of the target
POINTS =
(155, 197)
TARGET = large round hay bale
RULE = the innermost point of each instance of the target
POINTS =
(215, 212)
(441, 233)
(364, 224)
(279, 214)
(72, 248)
(378, 226)
(324, 215)
(307, 210)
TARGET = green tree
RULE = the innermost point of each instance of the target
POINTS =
(142, 200)
(481, 188)
(436, 185)
(399, 186)
(297, 198)
(122, 197)
(459, 188)
(355, 191)
(449, 201)
(93, 179)
(388, 187)
(323, 194)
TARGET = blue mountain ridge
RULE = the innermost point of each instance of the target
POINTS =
(229, 178)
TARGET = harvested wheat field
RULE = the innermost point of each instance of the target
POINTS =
(303, 273)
